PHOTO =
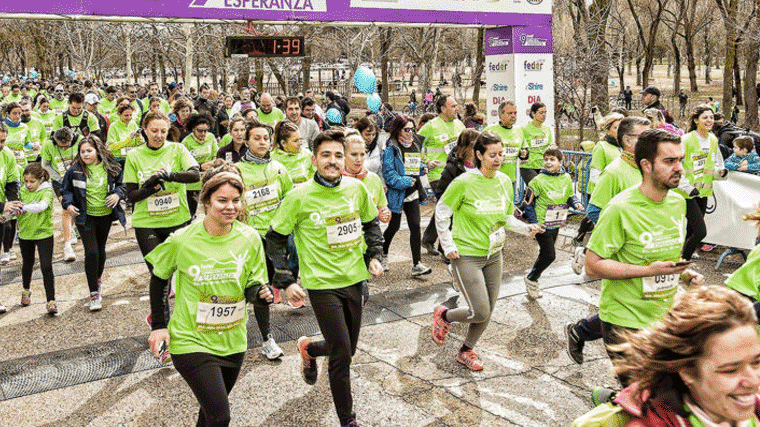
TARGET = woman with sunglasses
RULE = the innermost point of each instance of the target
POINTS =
(202, 145)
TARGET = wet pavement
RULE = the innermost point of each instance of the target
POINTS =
(93, 369)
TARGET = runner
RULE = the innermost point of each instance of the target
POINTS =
(19, 136)
(202, 145)
(57, 155)
(548, 199)
(45, 114)
(108, 103)
(155, 175)
(403, 165)
(637, 244)
(481, 205)
(440, 135)
(267, 112)
(76, 118)
(307, 128)
(235, 147)
(37, 132)
(92, 190)
(124, 134)
(289, 150)
(59, 104)
(9, 203)
(181, 110)
(537, 137)
(702, 164)
(220, 266)
(330, 216)
(511, 136)
(375, 145)
(266, 184)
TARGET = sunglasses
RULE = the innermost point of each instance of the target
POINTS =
(408, 129)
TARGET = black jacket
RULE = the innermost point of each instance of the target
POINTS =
(454, 167)
(75, 193)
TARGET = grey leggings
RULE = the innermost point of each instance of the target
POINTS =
(479, 279)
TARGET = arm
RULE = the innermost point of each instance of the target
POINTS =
(37, 207)
(11, 191)
(754, 164)
(732, 163)
(592, 213)
(159, 311)
(54, 175)
(373, 237)
(443, 215)
(189, 176)
(276, 251)
(392, 178)
(67, 192)
(597, 266)
(443, 183)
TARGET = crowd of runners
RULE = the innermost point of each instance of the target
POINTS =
(237, 198)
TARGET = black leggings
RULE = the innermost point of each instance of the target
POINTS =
(149, 238)
(9, 233)
(45, 252)
(546, 252)
(211, 379)
(696, 230)
(431, 233)
(339, 315)
(412, 211)
(94, 234)
(192, 202)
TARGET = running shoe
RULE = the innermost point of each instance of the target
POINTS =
(440, 326)
(420, 269)
(579, 257)
(470, 359)
(68, 253)
(602, 395)
(532, 287)
(276, 295)
(26, 297)
(5, 258)
(384, 263)
(574, 344)
(707, 247)
(149, 321)
(12, 254)
(270, 349)
(52, 308)
(95, 302)
(308, 363)
(430, 248)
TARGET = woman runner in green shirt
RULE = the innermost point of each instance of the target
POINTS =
(202, 145)
(219, 265)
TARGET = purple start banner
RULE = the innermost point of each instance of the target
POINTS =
(484, 12)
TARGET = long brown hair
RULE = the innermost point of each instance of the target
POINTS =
(695, 113)
(104, 155)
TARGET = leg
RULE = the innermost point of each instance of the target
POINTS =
(393, 226)
(66, 225)
(27, 261)
(412, 211)
(292, 255)
(192, 202)
(588, 329)
(469, 271)
(210, 378)
(261, 311)
(431, 234)
(546, 253)
(102, 228)
(45, 252)
(89, 241)
(611, 334)
(695, 228)
(147, 240)
(9, 234)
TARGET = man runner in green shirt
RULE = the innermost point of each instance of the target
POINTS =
(636, 247)
(334, 219)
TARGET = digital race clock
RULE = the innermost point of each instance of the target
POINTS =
(264, 46)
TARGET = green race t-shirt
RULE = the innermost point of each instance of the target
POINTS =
(59, 107)
(616, 177)
(37, 132)
(47, 119)
(265, 186)
(92, 122)
(536, 140)
(119, 141)
(212, 273)
(633, 229)
(481, 206)
(299, 165)
(18, 140)
(107, 107)
(551, 193)
(512, 139)
(440, 139)
(36, 226)
(746, 279)
(59, 159)
(203, 151)
(97, 190)
(272, 118)
(601, 156)
(375, 187)
(9, 171)
(168, 207)
(328, 231)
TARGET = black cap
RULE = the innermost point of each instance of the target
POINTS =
(652, 91)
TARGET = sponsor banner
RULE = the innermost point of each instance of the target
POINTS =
(732, 198)
(534, 82)
(469, 12)
(533, 39)
(500, 83)
(498, 41)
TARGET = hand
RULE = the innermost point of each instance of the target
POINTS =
(72, 210)
(112, 200)
(452, 255)
(265, 293)
(155, 339)
(579, 207)
(384, 214)
(430, 164)
(13, 206)
(295, 293)
(414, 181)
(743, 167)
(375, 268)
(438, 164)
(534, 229)
(662, 268)
(693, 278)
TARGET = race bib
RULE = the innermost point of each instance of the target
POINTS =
(343, 232)
(538, 142)
(48, 129)
(496, 239)
(298, 183)
(20, 156)
(262, 199)
(698, 162)
(450, 146)
(412, 162)
(556, 216)
(203, 150)
(219, 312)
(63, 165)
(510, 153)
(163, 203)
(660, 287)
(228, 156)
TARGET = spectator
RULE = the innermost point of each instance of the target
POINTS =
(744, 160)
(651, 98)
(473, 119)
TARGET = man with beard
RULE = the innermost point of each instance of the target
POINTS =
(153, 91)
(37, 134)
(307, 128)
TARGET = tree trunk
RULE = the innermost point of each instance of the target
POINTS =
(752, 53)
(677, 66)
(385, 43)
(260, 75)
(708, 60)
(128, 55)
(243, 73)
(306, 68)
(638, 71)
(480, 60)
(187, 31)
(214, 78)
(737, 76)
(691, 64)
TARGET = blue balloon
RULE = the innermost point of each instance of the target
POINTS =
(6, 79)
(374, 102)
(33, 74)
(365, 80)
(334, 116)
